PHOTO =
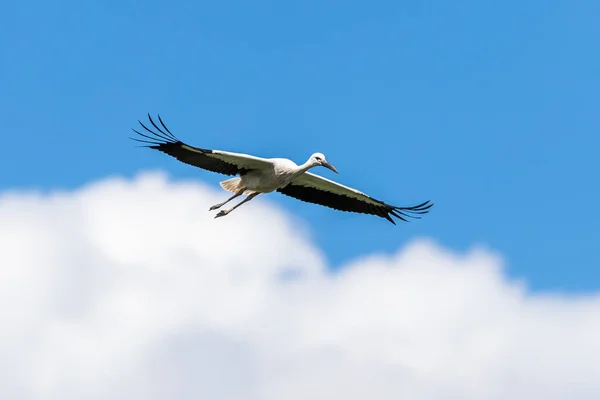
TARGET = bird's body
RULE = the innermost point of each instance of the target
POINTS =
(256, 175)
(268, 179)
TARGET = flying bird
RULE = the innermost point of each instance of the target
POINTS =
(256, 175)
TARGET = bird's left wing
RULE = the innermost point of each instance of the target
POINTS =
(223, 162)
(316, 189)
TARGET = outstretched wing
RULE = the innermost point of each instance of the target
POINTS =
(316, 189)
(222, 162)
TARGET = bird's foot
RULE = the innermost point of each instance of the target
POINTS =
(215, 207)
(222, 213)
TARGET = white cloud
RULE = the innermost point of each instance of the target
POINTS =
(130, 290)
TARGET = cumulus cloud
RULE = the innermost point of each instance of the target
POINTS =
(128, 289)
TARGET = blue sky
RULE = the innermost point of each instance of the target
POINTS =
(488, 109)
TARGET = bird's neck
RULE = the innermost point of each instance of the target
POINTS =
(304, 167)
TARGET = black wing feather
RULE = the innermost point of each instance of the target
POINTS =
(169, 144)
(349, 204)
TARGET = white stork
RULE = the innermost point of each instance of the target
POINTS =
(264, 175)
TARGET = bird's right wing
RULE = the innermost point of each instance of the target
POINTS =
(223, 162)
(319, 190)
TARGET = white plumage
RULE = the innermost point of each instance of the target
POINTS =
(256, 175)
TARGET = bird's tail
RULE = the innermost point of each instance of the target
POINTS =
(231, 185)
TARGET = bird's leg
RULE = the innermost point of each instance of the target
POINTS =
(225, 212)
(237, 194)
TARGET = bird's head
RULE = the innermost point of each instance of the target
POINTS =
(319, 159)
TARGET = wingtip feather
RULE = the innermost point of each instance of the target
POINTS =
(159, 137)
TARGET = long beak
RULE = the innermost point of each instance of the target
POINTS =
(331, 167)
